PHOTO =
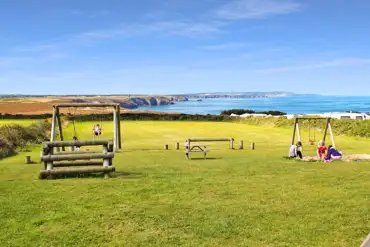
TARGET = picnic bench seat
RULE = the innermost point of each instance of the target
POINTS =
(196, 149)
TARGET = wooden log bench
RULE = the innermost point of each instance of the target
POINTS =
(102, 159)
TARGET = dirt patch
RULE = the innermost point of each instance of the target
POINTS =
(346, 157)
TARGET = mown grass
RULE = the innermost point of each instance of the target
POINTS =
(236, 198)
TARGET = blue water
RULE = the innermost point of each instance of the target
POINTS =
(290, 105)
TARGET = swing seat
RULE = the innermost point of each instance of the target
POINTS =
(312, 142)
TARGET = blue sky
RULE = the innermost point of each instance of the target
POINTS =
(184, 46)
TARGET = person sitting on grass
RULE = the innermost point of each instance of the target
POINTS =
(321, 150)
(333, 154)
(76, 139)
(294, 150)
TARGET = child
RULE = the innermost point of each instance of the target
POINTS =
(294, 150)
(321, 150)
(333, 154)
(97, 130)
(76, 139)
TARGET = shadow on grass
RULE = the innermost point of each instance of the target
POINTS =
(146, 149)
(205, 159)
(301, 160)
(129, 175)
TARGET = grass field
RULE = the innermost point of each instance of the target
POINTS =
(24, 122)
(236, 198)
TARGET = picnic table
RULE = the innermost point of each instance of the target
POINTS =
(197, 148)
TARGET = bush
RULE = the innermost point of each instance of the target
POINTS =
(345, 127)
(5, 149)
(244, 111)
(15, 136)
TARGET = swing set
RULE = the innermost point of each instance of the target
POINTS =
(96, 129)
(56, 122)
(312, 128)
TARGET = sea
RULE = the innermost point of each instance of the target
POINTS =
(301, 104)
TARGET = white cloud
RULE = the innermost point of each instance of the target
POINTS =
(222, 47)
(177, 28)
(318, 65)
(254, 9)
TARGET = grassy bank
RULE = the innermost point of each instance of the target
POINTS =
(236, 198)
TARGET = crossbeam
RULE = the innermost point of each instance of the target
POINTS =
(66, 105)
(46, 158)
(312, 118)
(77, 143)
(210, 139)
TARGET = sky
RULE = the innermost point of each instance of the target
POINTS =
(184, 46)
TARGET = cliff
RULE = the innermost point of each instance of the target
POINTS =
(134, 102)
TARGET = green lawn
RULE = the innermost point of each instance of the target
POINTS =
(236, 198)
(25, 122)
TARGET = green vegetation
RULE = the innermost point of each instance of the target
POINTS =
(23, 122)
(16, 136)
(244, 111)
(236, 198)
(347, 127)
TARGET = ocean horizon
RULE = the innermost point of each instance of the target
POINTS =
(299, 104)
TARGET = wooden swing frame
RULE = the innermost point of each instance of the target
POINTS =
(296, 129)
(117, 142)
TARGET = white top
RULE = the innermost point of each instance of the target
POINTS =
(292, 151)
(97, 129)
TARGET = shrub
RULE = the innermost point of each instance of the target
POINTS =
(244, 111)
(15, 136)
(5, 149)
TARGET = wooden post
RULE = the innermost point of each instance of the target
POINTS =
(49, 164)
(241, 145)
(366, 242)
(71, 148)
(166, 147)
(326, 129)
(53, 123)
(298, 132)
(177, 145)
(58, 149)
(252, 146)
(232, 143)
(119, 126)
(105, 149)
(115, 130)
(27, 159)
(294, 130)
(59, 122)
(106, 162)
(331, 134)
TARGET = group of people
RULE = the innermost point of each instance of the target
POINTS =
(323, 153)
